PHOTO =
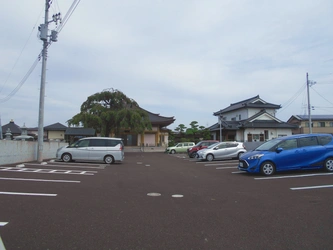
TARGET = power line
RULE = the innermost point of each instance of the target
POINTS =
(20, 84)
(293, 98)
(11, 71)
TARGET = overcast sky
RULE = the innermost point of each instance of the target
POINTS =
(178, 58)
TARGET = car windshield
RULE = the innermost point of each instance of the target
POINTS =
(268, 145)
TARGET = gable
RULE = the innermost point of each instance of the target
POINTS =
(255, 102)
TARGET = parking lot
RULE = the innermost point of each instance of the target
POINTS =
(162, 201)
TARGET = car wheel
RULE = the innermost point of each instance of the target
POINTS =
(108, 159)
(66, 157)
(193, 155)
(210, 157)
(267, 168)
(173, 151)
(239, 155)
(329, 164)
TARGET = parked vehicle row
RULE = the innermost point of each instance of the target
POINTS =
(180, 147)
(192, 152)
(295, 152)
(222, 150)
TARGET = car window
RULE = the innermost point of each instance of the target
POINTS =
(288, 144)
(83, 143)
(179, 145)
(185, 144)
(97, 143)
(307, 141)
(323, 140)
(113, 143)
(231, 145)
(221, 145)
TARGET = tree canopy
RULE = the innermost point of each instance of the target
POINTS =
(111, 111)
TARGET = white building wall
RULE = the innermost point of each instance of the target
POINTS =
(150, 140)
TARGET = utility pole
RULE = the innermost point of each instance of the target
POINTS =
(308, 83)
(220, 121)
(43, 28)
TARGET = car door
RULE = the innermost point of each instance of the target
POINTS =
(81, 150)
(310, 151)
(289, 158)
(220, 150)
(97, 149)
(184, 147)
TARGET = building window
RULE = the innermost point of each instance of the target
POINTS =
(307, 124)
(321, 124)
(331, 124)
(239, 117)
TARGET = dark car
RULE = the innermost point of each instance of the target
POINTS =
(192, 152)
(294, 152)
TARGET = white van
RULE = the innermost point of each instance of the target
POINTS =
(109, 150)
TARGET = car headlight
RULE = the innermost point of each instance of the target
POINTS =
(190, 148)
(257, 156)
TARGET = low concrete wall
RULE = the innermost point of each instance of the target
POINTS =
(12, 152)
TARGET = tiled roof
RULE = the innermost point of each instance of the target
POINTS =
(14, 129)
(156, 119)
(80, 131)
(253, 102)
(314, 117)
(56, 127)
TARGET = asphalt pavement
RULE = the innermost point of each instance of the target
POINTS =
(162, 201)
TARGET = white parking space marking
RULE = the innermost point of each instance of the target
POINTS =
(216, 162)
(67, 165)
(225, 167)
(48, 171)
(27, 194)
(312, 187)
(3, 224)
(238, 172)
(291, 176)
(2, 246)
(42, 180)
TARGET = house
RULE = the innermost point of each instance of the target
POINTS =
(73, 134)
(13, 128)
(158, 136)
(250, 120)
(55, 131)
(320, 124)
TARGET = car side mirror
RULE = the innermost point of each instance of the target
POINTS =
(278, 150)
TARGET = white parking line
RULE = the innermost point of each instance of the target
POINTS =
(27, 194)
(216, 162)
(48, 171)
(68, 165)
(42, 180)
(2, 246)
(291, 176)
(312, 187)
(225, 167)
(3, 224)
(238, 172)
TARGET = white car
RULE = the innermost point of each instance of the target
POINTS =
(105, 149)
(222, 150)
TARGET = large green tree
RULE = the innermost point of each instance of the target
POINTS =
(110, 112)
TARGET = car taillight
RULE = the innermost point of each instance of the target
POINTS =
(243, 146)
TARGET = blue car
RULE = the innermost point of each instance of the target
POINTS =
(302, 151)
